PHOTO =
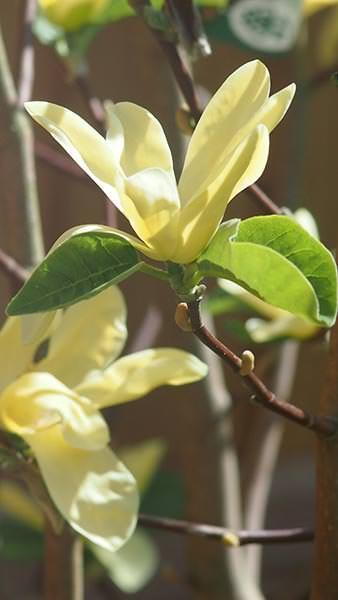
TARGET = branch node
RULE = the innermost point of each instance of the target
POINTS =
(182, 318)
(231, 539)
(248, 363)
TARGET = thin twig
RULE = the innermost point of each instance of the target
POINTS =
(263, 451)
(228, 537)
(12, 268)
(179, 67)
(55, 159)
(93, 103)
(96, 110)
(25, 206)
(26, 72)
(322, 425)
(188, 24)
(228, 504)
(320, 78)
(263, 200)
(148, 330)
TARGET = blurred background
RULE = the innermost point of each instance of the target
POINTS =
(126, 63)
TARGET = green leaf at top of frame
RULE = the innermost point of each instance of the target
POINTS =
(277, 260)
(82, 266)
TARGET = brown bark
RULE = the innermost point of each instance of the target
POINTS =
(62, 565)
(325, 573)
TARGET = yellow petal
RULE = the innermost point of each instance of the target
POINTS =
(281, 323)
(135, 375)
(232, 114)
(16, 357)
(327, 41)
(286, 326)
(131, 567)
(145, 143)
(93, 490)
(38, 401)
(90, 335)
(152, 209)
(312, 6)
(200, 218)
(85, 145)
(304, 218)
(36, 326)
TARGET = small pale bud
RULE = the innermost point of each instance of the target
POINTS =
(182, 318)
(231, 539)
(248, 362)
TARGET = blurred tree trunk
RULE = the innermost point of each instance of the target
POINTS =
(325, 574)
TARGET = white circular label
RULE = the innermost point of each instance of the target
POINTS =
(267, 25)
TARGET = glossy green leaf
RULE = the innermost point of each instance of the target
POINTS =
(219, 302)
(79, 268)
(277, 260)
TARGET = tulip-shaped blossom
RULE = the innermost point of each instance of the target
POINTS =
(227, 152)
(54, 405)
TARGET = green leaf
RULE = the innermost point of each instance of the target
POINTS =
(219, 302)
(79, 268)
(277, 260)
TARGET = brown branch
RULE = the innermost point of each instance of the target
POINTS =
(96, 110)
(26, 71)
(63, 564)
(179, 68)
(320, 78)
(93, 103)
(322, 425)
(13, 270)
(324, 572)
(147, 332)
(263, 200)
(57, 160)
(24, 204)
(262, 451)
(228, 537)
(187, 22)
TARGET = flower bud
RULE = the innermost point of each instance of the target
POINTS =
(182, 318)
(73, 14)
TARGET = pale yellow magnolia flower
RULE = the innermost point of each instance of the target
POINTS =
(313, 6)
(73, 14)
(133, 565)
(54, 405)
(277, 322)
(327, 42)
(227, 152)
